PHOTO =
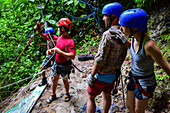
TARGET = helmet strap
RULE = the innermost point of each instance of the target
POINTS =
(132, 33)
(111, 19)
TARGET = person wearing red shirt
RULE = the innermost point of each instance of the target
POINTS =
(65, 51)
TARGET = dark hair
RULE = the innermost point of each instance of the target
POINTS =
(66, 29)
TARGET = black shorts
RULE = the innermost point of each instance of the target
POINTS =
(62, 68)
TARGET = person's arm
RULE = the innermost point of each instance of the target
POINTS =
(95, 69)
(153, 51)
(40, 34)
(58, 51)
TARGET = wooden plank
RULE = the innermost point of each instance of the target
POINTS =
(26, 105)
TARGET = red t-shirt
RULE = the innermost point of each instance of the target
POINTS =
(65, 44)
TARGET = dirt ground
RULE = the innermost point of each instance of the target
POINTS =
(78, 88)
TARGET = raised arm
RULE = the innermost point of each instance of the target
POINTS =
(153, 51)
(40, 34)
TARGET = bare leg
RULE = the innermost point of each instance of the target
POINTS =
(66, 85)
(44, 80)
(106, 102)
(130, 101)
(141, 105)
(91, 106)
(43, 74)
(55, 83)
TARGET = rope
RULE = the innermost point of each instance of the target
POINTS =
(18, 57)
(27, 36)
(41, 10)
(77, 68)
(28, 83)
(17, 50)
(44, 8)
(77, 18)
(83, 18)
(115, 91)
(94, 15)
(24, 79)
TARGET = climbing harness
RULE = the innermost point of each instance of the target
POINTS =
(137, 84)
(114, 92)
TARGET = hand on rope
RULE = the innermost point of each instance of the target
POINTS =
(28, 43)
(37, 27)
(54, 50)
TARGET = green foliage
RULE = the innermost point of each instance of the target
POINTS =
(18, 18)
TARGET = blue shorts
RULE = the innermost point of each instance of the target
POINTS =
(50, 63)
(138, 93)
(62, 68)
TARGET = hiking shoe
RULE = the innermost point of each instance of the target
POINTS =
(43, 82)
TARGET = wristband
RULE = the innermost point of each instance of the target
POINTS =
(52, 50)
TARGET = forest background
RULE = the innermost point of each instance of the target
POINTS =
(18, 18)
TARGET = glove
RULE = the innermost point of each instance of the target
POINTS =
(90, 80)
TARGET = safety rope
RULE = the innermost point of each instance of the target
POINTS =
(28, 83)
(17, 50)
(41, 10)
(25, 78)
(97, 21)
(114, 106)
(26, 38)
(18, 57)
(35, 74)
(74, 17)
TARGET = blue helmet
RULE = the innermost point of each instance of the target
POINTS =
(48, 29)
(112, 8)
(134, 18)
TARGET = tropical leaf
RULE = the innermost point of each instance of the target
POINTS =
(52, 22)
(17, 3)
(83, 5)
